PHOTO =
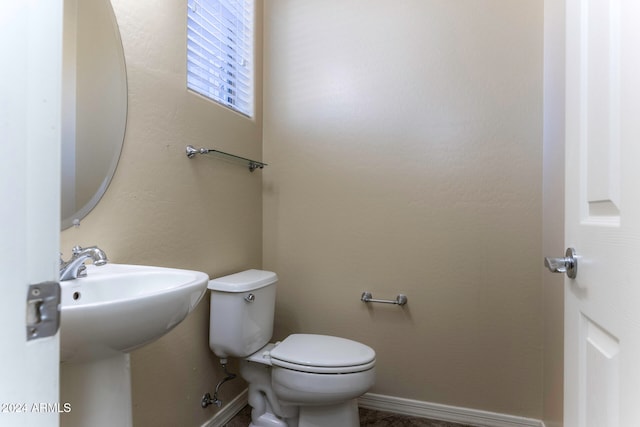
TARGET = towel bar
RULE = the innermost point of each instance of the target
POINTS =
(367, 297)
(252, 164)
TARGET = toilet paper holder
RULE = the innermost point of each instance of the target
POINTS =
(366, 296)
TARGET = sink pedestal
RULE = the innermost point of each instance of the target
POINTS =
(99, 392)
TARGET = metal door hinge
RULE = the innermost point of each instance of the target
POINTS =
(43, 310)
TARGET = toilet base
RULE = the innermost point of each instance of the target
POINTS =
(342, 414)
(266, 410)
(267, 420)
(269, 411)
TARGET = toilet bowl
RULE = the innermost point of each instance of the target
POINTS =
(320, 369)
(310, 380)
(305, 380)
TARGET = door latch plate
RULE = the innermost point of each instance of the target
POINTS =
(43, 310)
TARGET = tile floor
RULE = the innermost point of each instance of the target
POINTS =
(368, 417)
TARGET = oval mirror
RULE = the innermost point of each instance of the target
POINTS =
(94, 109)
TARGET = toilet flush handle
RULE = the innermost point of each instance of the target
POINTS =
(250, 298)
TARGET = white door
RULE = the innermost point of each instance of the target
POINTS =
(30, 76)
(602, 188)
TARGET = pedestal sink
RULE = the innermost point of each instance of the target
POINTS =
(114, 310)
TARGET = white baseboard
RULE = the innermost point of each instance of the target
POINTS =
(398, 405)
(435, 411)
(225, 414)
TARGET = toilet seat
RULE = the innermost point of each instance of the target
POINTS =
(322, 354)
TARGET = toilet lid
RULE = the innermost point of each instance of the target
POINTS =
(248, 280)
(322, 353)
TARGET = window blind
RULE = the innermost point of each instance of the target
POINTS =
(220, 51)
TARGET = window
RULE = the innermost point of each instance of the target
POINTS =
(220, 51)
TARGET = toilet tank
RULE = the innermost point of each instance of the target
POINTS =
(242, 307)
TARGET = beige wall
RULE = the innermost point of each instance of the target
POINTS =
(553, 210)
(163, 209)
(404, 143)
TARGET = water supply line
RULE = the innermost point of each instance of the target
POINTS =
(206, 398)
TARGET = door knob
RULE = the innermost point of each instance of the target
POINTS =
(568, 264)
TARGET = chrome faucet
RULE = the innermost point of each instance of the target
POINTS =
(75, 267)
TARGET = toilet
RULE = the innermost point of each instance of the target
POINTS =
(306, 379)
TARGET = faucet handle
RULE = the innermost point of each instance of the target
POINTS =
(82, 271)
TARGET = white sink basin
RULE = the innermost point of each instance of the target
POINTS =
(118, 308)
